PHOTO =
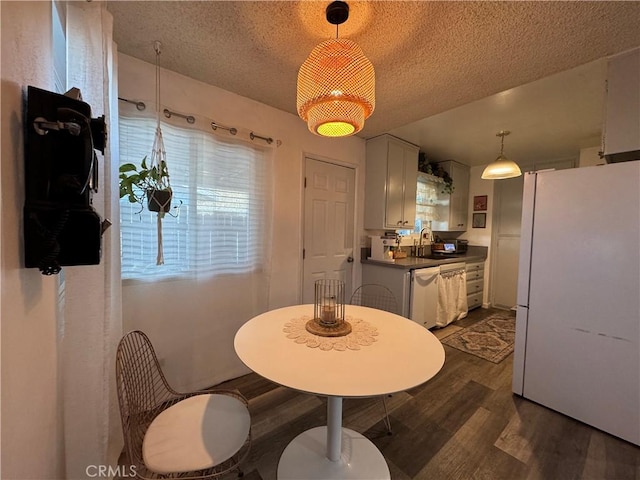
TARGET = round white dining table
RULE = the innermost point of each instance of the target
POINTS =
(403, 355)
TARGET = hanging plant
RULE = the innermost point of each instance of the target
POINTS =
(150, 182)
(146, 183)
(432, 168)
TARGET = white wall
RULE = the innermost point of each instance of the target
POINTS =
(481, 236)
(478, 186)
(31, 407)
(186, 95)
(590, 157)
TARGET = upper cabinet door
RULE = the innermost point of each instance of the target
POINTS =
(453, 208)
(390, 183)
(410, 187)
(394, 214)
(622, 123)
(459, 197)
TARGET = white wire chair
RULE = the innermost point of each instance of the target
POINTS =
(144, 394)
(377, 296)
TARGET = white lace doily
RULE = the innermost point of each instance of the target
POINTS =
(362, 335)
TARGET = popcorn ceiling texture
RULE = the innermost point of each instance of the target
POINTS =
(429, 56)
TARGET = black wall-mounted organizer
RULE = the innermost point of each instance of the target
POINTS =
(61, 227)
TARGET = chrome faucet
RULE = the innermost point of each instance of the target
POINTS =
(420, 248)
(421, 235)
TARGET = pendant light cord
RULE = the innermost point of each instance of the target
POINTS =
(157, 49)
(502, 134)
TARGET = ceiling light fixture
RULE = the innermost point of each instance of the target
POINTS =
(336, 83)
(501, 167)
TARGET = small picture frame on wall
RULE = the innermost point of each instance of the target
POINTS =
(479, 220)
(479, 203)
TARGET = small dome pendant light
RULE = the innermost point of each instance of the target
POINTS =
(336, 83)
(501, 167)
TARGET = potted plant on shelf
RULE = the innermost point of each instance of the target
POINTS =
(432, 168)
(147, 183)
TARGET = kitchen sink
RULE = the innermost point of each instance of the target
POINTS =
(439, 257)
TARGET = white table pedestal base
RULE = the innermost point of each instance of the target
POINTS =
(306, 458)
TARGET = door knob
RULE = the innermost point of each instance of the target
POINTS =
(350, 259)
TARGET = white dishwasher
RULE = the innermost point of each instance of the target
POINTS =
(424, 296)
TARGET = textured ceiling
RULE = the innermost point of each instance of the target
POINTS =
(430, 57)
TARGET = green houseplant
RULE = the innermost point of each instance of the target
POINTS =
(432, 168)
(147, 183)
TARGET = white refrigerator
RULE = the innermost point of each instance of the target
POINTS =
(578, 313)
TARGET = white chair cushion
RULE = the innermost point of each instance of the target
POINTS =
(196, 433)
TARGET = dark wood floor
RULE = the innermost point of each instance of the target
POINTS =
(463, 424)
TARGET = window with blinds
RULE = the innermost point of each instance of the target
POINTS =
(222, 190)
(427, 198)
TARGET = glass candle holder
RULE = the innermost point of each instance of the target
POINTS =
(328, 310)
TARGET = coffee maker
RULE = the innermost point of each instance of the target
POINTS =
(382, 248)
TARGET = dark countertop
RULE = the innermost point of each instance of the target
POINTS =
(475, 254)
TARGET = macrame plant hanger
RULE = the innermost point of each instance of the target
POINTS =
(158, 165)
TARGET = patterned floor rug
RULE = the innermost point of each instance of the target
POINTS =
(491, 338)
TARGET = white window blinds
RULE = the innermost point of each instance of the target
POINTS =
(222, 189)
(427, 200)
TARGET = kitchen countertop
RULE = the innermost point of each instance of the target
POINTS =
(475, 254)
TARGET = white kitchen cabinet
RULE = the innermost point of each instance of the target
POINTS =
(475, 283)
(622, 123)
(390, 183)
(452, 210)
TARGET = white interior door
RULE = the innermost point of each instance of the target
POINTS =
(507, 213)
(506, 234)
(328, 225)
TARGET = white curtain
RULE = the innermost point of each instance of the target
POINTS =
(92, 299)
(194, 304)
(452, 298)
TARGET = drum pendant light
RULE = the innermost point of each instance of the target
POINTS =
(336, 83)
(501, 167)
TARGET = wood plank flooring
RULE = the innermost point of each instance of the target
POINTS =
(465, 423)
